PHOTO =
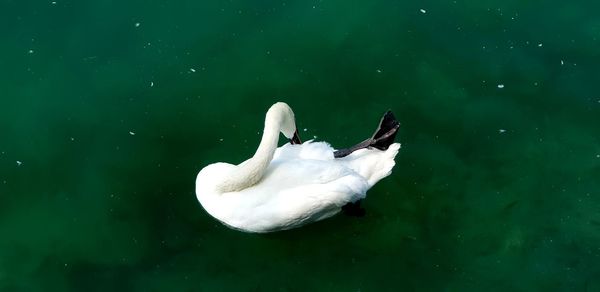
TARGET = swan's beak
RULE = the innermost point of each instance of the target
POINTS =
(295, 139)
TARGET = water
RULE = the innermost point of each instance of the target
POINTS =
(108, 111)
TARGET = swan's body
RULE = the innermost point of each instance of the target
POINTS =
(287, 187)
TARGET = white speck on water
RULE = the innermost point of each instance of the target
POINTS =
(137, 24)
(423, 11)
(305, 129)
(192, 70)
(597, 155)
(151, 83)
(221, 139)
(501, 131)
(315, 137)
(19, 163)
(378, 71)
(562, 62)
(500, 86)
(30, 51)
(131, 133)
(53, 2)
(72, 139)
(540, 44)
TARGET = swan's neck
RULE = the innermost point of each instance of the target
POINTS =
(249, 172)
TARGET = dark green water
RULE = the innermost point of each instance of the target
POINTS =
(495, 189)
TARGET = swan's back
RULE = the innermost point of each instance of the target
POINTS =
(303, 184)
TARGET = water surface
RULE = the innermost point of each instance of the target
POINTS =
(108, 111)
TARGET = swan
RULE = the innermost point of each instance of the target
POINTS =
(297, 183)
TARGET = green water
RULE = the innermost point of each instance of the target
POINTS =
(109, 109)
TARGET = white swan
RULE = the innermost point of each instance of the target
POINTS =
(295, 184)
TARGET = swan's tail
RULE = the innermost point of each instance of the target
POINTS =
(382, 139)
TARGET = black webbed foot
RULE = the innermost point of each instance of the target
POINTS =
(384, 136)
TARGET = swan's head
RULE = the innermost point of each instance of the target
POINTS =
(281, 113)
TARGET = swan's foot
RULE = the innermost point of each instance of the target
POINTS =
(386, 132)
(382, 139)
(354, 209)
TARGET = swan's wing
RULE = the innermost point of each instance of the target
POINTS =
(300, 205)
(295, 192)
(319, 201)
